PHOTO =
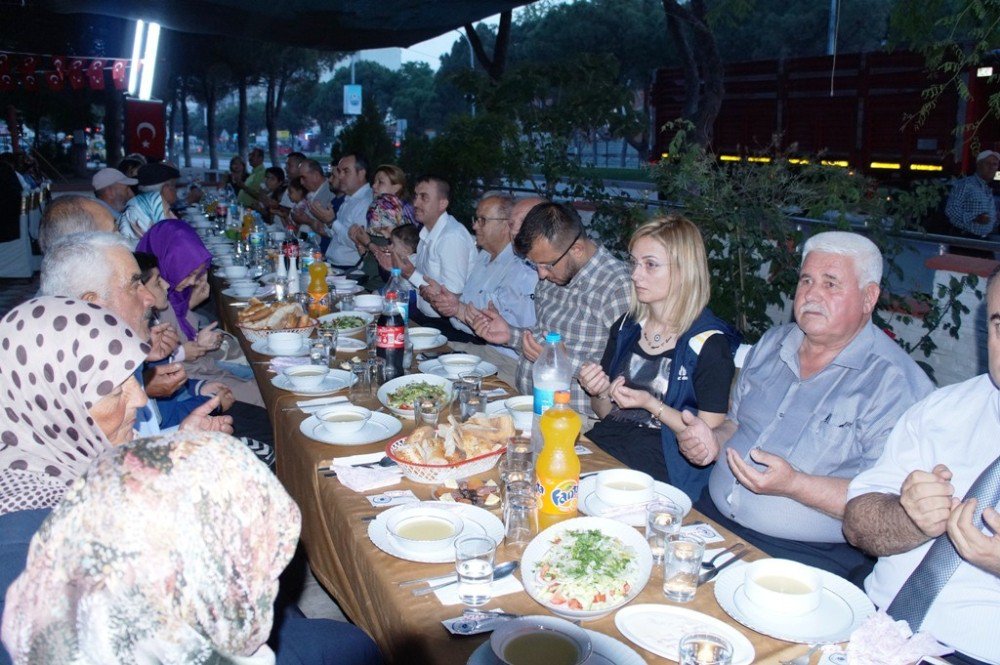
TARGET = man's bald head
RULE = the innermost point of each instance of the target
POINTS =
(521, 209)
(72, 214)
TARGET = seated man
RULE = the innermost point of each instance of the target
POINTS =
(446, 250)
(812, 408)
(497, 276)
(113, 190)
(928, 510)
(73, 213)
(971, 207)
(582, 289)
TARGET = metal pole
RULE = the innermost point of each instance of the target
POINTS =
(472, 66)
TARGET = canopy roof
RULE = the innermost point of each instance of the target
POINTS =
(334, 25)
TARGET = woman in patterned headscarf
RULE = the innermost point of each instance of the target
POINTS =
(66, 379)
(154, 557)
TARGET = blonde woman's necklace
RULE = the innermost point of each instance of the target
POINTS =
(657, 339)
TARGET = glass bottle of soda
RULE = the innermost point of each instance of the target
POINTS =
(390, 336)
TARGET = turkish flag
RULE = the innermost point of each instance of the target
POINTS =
(95, 75)
(77, 79)
(59, 62)
(28, 65)
(6, 82)
(30, 82)
(146, 128)
(4, 63)
(118, 75)
(54, 81)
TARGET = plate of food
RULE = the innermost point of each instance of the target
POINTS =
(346, 323)
(398, 395)
(452, 450)
(586, 568)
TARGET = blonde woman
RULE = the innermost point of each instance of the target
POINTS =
(666, 355)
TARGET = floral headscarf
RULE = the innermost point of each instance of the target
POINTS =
(387, 212)
(167, 551)
(58, 357)
(179, 251)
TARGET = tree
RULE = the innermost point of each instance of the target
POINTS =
(496, 64)
(282, 65)
(367, 135)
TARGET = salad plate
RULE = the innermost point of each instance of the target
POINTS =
(618, 568)
(607, 651)
(380, 426)
(591, 504)
(347, 323)
(476, 520)
(842, 609)
(659, 629)
(398, 395)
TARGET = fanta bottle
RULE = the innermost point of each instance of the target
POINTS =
(557, 469)
(319, 291)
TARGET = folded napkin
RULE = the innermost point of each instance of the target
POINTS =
(449, 594)
(880, 640)
(314, 405)
(361, 479)
(279, 363)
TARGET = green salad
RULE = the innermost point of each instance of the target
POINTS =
(343, 323)
(586, 570)
(403, 397)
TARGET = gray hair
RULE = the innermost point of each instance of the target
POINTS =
(867, 257)
(65, 215)
(78, 263)
(504, 200)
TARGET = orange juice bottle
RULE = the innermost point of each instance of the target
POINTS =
(557, 468)
(247, 223)
(318, 290)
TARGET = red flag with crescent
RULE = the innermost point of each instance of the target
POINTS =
(54, 81)
(95, 75)
(118, 75)
(4, 63)
(145, 128)
(59, 62)
(77, 73)
(29, 64)
(30, 82)
(6, 82)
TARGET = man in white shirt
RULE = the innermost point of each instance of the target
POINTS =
(922, 496)
(352, 175)
(446, 249)
(319, 193)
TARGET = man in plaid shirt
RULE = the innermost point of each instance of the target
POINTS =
(971, 206)
(582, 289)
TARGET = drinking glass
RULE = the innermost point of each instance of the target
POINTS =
(704, 649)
(371, 335)
(347, 303)
(681, 566)
(427, 410)
(663, 519)
(319, 353)
(376, 374)
(361, 390)
(475, 402)
(519, 450)
(520, 520)
(329, 337)
(474, 557)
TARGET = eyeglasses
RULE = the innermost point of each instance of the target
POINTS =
(553, 264)
(479, 219)
(646, 265)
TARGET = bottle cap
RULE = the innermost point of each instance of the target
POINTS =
(396, 271)
(553, 338)
(561, 397)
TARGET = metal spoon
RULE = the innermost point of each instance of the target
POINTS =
(501, 571)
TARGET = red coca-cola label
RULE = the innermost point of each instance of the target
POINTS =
(390, 337)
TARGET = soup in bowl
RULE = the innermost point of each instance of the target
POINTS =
(306, 377)
(522, 410)
(540, 640)
(783, 587)
(624, 487)
(425, 529)
(343, 419)
(458, 363)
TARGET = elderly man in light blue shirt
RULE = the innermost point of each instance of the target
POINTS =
(813, 407)
(496, 275)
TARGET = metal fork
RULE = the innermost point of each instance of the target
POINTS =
(804, 658)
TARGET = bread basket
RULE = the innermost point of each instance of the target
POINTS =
(256, 335)
(438, 473)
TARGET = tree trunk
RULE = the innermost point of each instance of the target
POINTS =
(703, 84)
(113, 126)
(269, 118)
(496, 65)
(243, 146)
(185, 125)
(213, 148)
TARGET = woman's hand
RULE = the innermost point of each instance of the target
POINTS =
(630, 398)
(208, 337)
(593, 379)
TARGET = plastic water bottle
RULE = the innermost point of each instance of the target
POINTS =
(401, 288)
(552, 372)
(308, 251)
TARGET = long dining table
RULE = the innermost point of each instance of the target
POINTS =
(365, 580)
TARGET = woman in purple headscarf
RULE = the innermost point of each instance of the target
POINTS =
(183, 263)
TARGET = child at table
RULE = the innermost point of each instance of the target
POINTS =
(403, 241)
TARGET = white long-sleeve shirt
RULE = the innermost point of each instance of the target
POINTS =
(353, 210)
(444, 254)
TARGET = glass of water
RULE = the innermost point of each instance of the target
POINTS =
(681, 567)
(663, 519)
(474, 557)
(520, 520)
(704, 649)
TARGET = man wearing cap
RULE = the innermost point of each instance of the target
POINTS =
(157, 193)
(971, 207)
(111, 187)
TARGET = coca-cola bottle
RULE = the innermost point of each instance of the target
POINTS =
(390, 336)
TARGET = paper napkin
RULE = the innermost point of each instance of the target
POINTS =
(449, 594)
(362, 479)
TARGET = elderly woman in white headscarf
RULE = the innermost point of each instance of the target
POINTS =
(157, 193)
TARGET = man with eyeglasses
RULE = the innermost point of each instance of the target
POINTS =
(582, 289)
(497, 276)
(446, 250)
